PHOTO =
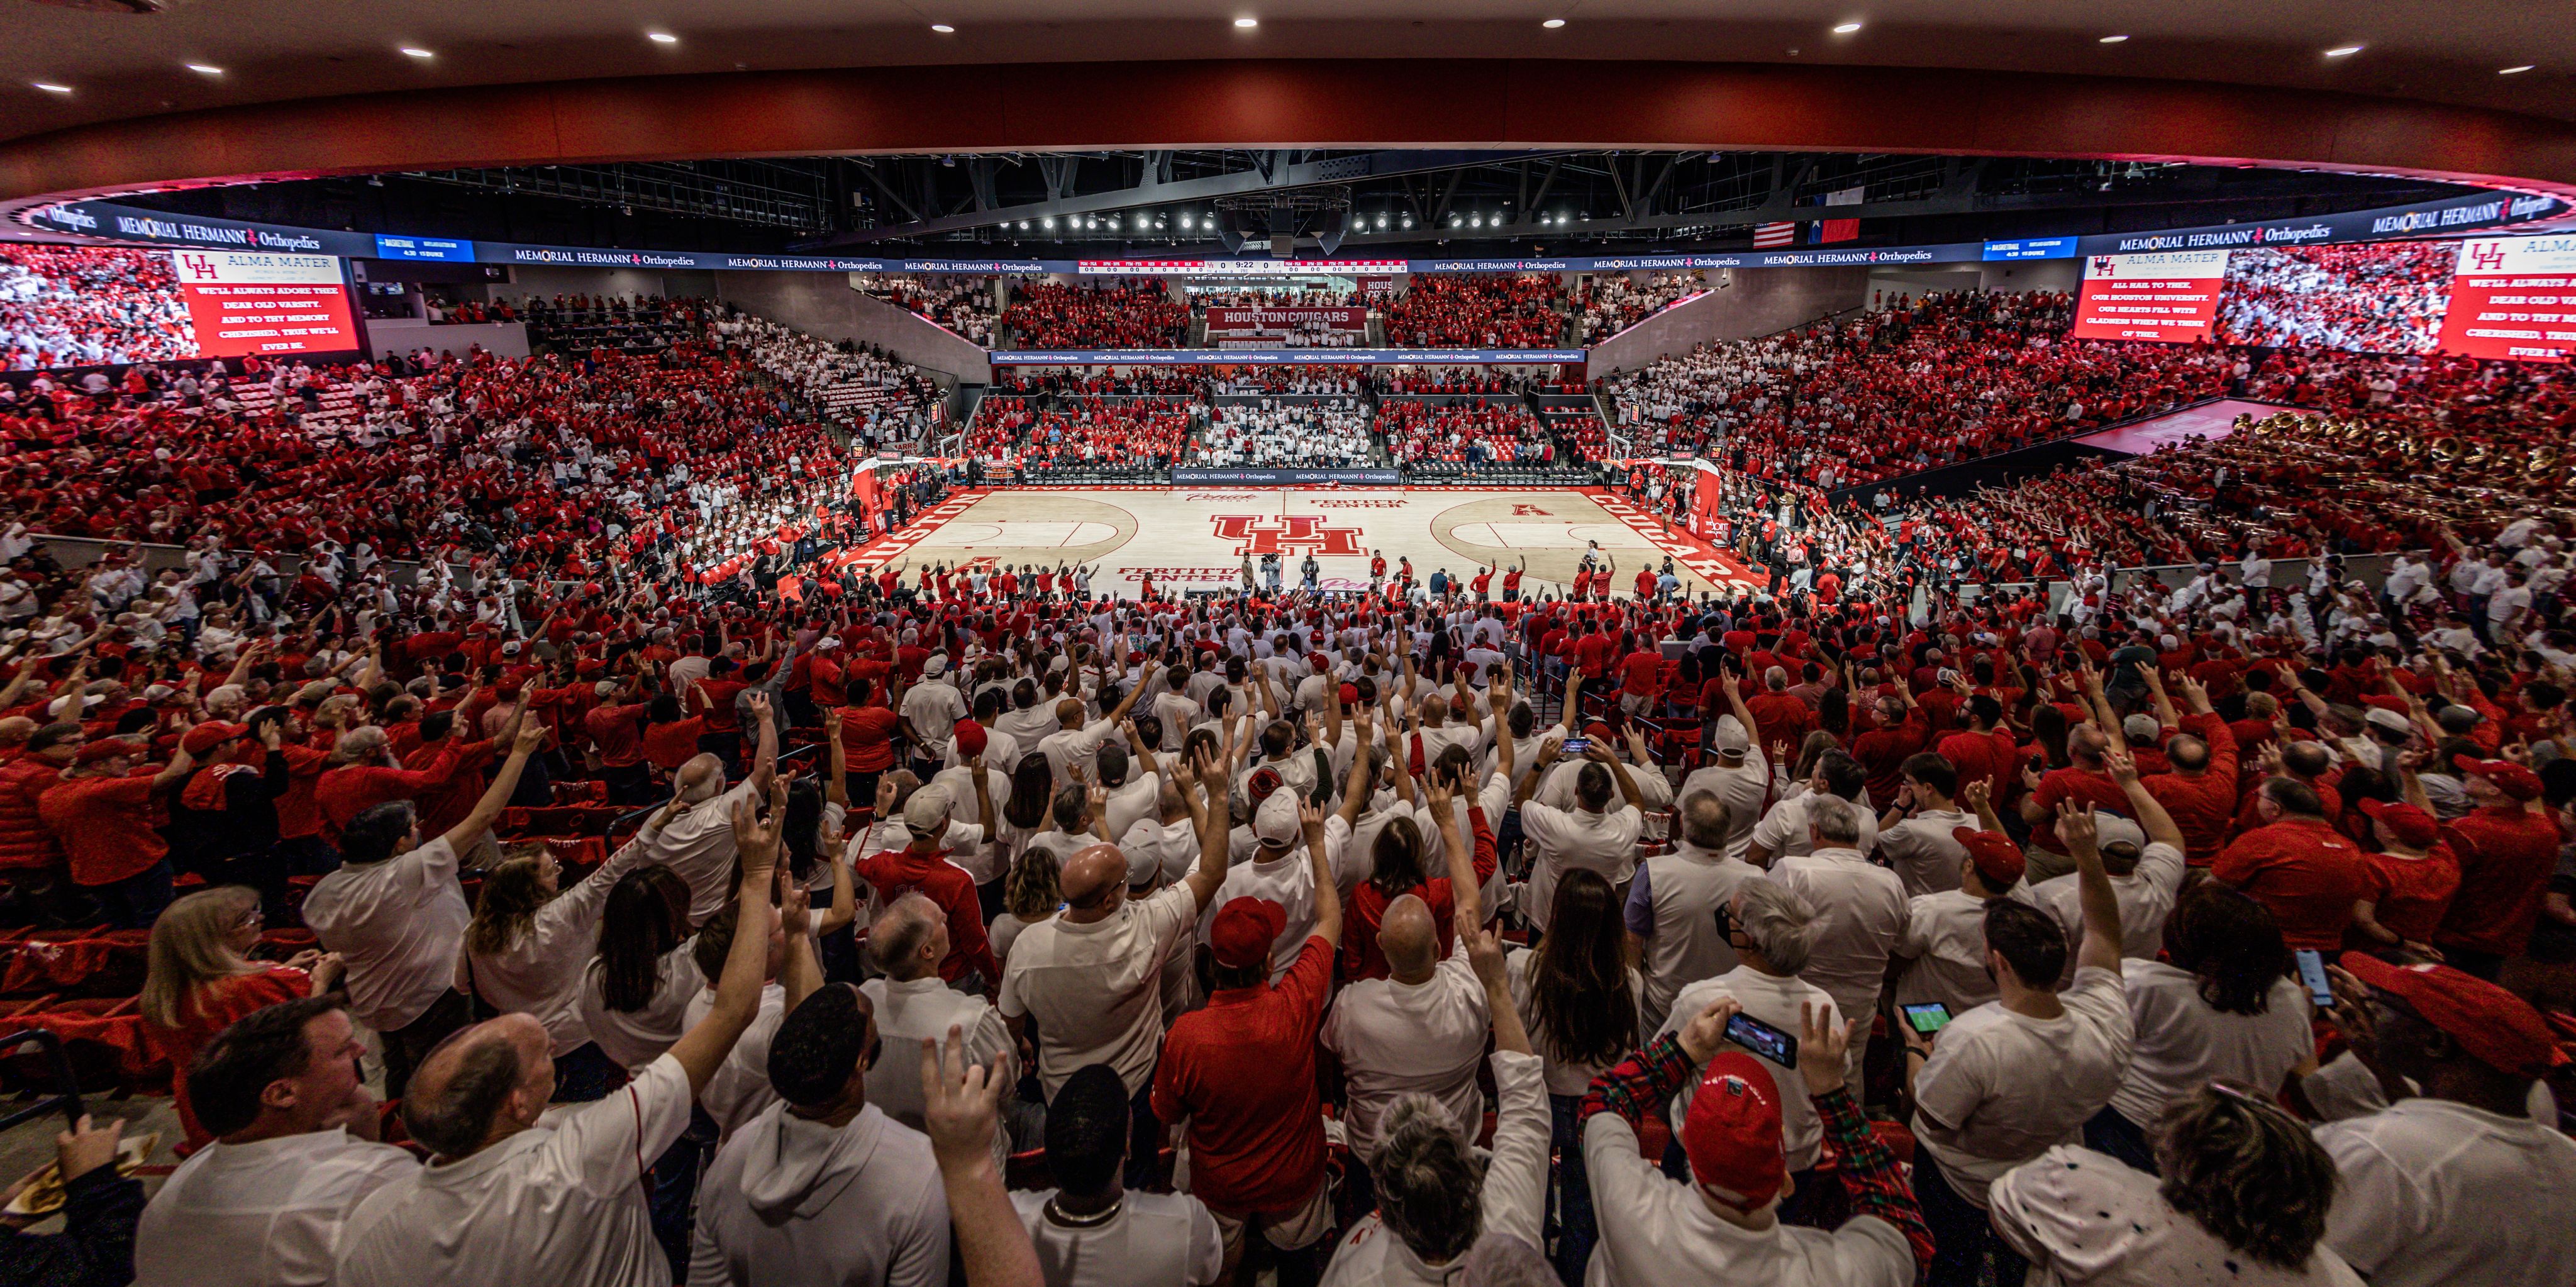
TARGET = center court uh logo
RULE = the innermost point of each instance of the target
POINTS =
(1285, 534)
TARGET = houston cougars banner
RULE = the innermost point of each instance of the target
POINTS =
(1272, 320)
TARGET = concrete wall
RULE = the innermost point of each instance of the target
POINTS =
(540, 279)
(824, 306)
(406, 334)
(1741, 303)
(2032, 274)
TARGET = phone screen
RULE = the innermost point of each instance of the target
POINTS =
(2312, 971)
(1763, 1039)
(1927, 1018)
(1577, 745)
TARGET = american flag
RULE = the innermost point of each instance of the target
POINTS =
(1767, 235)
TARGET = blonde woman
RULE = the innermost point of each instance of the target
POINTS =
(530, 938)
(201, 979)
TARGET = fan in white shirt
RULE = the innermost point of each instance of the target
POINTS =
(2243, 1202)
(2456, 1183)
(821, 1185)
(1592, 836)
(1862, 906)
(2005, 1082)
(512, 1200)
(294, 1155)
(1421, 1030)
(1944, 943)
(2227, 1007)
(1672, 904)
(1090, 1230)
(1434, 1203)
(910, 1005)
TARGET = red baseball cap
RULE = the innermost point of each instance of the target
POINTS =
(2505, 775)
(1597, 729)
(971, 739)
(2502, 1030)
(209, 735)
(1732, 1131)
(2411, 826)
(1244, 929)
(1262, 782)
(1998, 860)
(106, 748)
(1350, 693)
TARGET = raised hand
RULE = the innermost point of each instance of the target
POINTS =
(2075, 825)
(961, 1104)
(1822, 1044)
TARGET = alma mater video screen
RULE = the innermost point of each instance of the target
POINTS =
(2502, 297)
(66, 306)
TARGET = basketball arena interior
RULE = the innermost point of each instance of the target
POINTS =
(1520, 644)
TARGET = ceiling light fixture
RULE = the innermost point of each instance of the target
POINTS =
(415, 51)
(2113, 40)
(50, 87)
(661, 37)
(2515, 71)
(1553, 23)
(943, 29)
(1247, 23)
(205, 69)
(1846, 28)
(2343, 51)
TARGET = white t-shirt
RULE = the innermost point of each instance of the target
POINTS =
(638, 1037)
(399, 924)
(263, 1213)
(2439, 1193)
(561, 1202)
(2001, 1088)
(1097, 988)
(1923, 853)
(1512, 1201)
(1944, 945)
(2081, 1217)
(698, 847)
(1154, 1240)
(1783, 831)
(740, 1088)
(1568, 839)
(2183, 1042)
(2146, 897)
(1399, 1038)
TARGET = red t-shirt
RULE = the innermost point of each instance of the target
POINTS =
(668, 746)
(867, 733)
(2306, 872)
(2080, 785)
(2506, 856)
(614, 730)
(897, 872)
(2410, 895)
(213, 1008)
(1242, 1071)
(106, 826)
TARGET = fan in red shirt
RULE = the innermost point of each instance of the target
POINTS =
(2507, 849)
(2298, 866)
(108, 823)
(1242, 1072)
(922, 867)
(2413, 876)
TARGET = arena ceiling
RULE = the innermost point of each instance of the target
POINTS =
(110, 95)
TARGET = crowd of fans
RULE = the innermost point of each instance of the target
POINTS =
(1478, 310)
(1947, 377)
(84, 305)
(1326, 433)
(962, 304)
(619, 911)
(1614, 303)
(877, 398)
(1033, 437)
(969, 924)
(1128, 313)
(1471, 433)
(2382, 297)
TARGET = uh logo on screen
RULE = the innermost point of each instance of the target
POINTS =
(1286, 534)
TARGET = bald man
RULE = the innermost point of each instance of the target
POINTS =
(698, 845)
(1074, 742)
(508, 1201)
(1421, 1029)
(1090, 978)
(911, 1005)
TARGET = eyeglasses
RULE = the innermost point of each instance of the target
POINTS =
(250, 918)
